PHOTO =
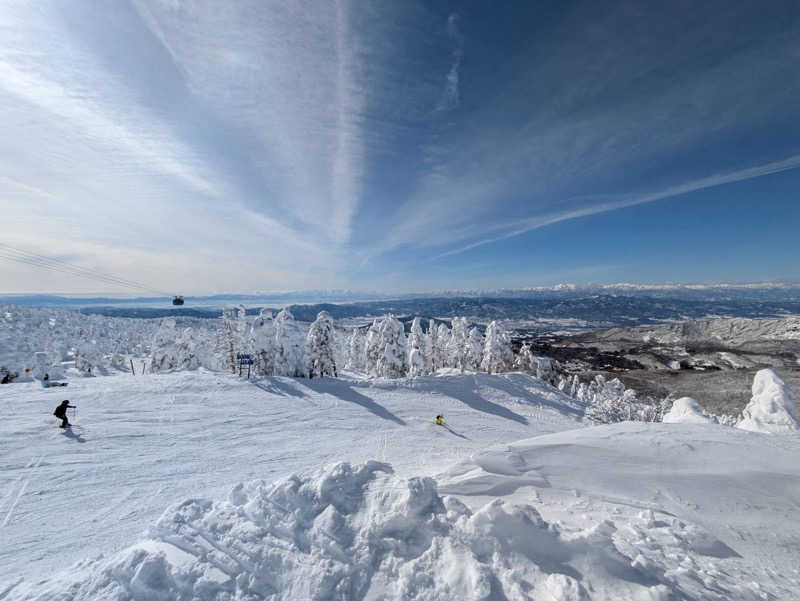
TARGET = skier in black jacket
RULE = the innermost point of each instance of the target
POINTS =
(61, 413)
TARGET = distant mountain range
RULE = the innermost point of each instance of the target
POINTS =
(777, 290)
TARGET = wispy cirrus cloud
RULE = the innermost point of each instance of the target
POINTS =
(583, 113)
(514, 228)
(276, 145)
(286, 74)
(450, 96)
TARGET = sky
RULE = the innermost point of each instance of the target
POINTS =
(205, 147)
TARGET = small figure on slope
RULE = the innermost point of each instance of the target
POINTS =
(439, 420)
(61, 413)
(47, 382)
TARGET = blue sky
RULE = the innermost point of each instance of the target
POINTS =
(207, 147)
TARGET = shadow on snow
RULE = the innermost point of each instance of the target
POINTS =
(341, 389)
(74, 435)
(469, 396)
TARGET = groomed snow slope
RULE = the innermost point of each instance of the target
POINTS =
(144, 443)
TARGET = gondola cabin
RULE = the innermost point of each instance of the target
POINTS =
(177, 300)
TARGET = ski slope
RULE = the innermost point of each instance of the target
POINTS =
(205, 486)
(144, 442)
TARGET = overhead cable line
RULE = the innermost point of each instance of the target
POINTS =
(60, 266)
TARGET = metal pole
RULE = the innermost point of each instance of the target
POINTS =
(133, 371)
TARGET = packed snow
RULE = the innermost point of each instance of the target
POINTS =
(772, 408)
(142, 443)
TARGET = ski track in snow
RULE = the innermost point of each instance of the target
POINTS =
(526, 503)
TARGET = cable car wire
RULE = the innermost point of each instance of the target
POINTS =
(60, 266)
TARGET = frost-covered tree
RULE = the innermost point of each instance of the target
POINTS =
(262, 335)
(574, 385)
(432, 347)
(456, 349)
(289, 346)
(497, 354)
(544, 368)
(319, 347)
(229, 339)
(524, 360)
(392, 345)
(174, 349)
(356, 349)
(417, 360)
(609, 401)
(442, 342)
(475, 344)
(86, 360)
(372, 348)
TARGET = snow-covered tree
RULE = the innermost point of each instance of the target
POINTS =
(229, 340)
(356, 349)
(574, 385)
(475, 344)
(609, 401)
(289, 346)
(174, 349)
(262, 335)
(417, 361)
(432, 347)
(319, 347)
(544, 368)
(440, 350)
(392, 359)
(88, 360)
(497, 354)
(457, 344)
(372, 348)
(524, 360)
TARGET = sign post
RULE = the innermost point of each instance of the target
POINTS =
(244, 359)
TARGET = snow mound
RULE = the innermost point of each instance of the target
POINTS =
(687, 410)
(772, 408)
(360, 532)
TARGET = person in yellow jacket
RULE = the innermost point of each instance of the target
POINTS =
(439, 419)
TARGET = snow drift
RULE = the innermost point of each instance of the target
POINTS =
(359, 532)
(688, 411)
(345, 532)
(772, 408)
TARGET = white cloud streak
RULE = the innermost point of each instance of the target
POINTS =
(522, 226)
(287, 73)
